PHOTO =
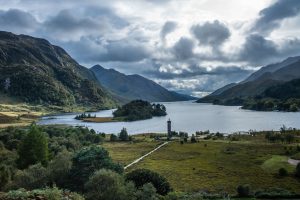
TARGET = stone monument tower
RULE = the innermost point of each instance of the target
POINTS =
(169, 129)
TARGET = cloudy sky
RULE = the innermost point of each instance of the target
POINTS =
(192, 46)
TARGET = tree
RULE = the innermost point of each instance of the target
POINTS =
(33, 148)
(243, 190)
(106, 184)
(86, 162)
(59, 168)
(193, 139)
(123, 135)
(142, 176)
(298, 170)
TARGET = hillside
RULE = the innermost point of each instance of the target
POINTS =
(131, 87)
(257, 83)
(35, 71)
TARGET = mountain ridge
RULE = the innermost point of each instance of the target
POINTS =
(131, 87)
(258, 82)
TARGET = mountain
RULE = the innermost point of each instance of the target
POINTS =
(271, 68)
(35, 71)
(258, 82)
(131, 87)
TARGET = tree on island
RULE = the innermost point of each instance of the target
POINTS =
(139, 110)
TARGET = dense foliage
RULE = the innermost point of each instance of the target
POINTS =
(139, 110)
(33, 148)
(87, 161)
(105, 184)
(143, 176)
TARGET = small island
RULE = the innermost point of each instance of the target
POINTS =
(132, 111)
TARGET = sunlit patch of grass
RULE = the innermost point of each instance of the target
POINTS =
(276, 162)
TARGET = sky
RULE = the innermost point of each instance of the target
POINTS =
(189, 46)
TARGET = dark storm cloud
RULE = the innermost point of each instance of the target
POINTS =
(271, 16)
(213, 34)
(67, 21)
(183, 48)
(90, 49)
(167, 28)
(258, 50)
(17, 21)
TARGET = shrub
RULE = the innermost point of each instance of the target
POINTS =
(87, 161)
(113, 138)
(282, 172)
(5, 175)
(36, 176)
(105, 184)
(47, 193)
(243, 190)
(142, 176)
(147, 192)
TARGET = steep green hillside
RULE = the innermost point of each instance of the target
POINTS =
(35, 71)
(254, 87)
(131, 87)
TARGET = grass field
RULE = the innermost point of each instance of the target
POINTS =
(214, 166)
(125, 152)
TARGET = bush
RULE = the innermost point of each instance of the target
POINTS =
(33, 148)
(36, 176)
(106, 184)
(87, 161)
(282, 172)
(142, 176)
(147, 192)
(113, 138)
(243, 190)
(47, 193)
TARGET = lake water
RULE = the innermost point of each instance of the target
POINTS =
(191, 117)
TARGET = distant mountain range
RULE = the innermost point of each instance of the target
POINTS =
(130, 87)
(34, 71)
(257, 85)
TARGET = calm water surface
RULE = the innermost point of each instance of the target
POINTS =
(191, 117)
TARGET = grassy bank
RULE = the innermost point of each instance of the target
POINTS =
(214, 165)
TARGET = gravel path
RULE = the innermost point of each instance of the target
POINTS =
(141, 158)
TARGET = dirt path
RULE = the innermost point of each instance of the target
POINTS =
(293, 162)
(141, 158)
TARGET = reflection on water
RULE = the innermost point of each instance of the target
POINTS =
(191, 117)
